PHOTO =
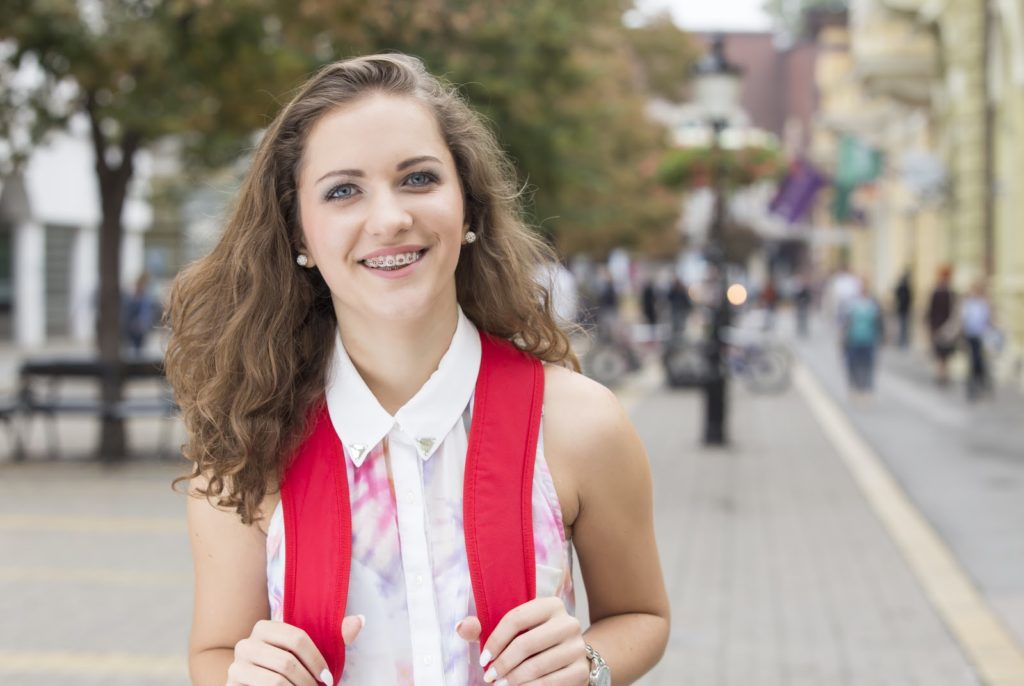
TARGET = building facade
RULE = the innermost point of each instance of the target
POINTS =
(937, 86)
(49, 238)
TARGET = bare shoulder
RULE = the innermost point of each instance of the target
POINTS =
(583, 421)
(589, 440)
(603, 479)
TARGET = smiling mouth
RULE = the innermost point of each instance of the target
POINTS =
(390, 263)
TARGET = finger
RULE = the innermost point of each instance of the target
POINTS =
(517, 620)
(469, 629)
(576, 673)
(350, 628)
(559, 630)
(248, 674)
(295, 641)
(548, 663)
(283, 663)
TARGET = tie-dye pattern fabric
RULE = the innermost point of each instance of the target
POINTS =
(383, 654)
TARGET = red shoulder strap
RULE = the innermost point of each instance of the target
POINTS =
(318, 553)
(498, 491)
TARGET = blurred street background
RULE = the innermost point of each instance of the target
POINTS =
(791, 243)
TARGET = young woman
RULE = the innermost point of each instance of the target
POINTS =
(331, 357)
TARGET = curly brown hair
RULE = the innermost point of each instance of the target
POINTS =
(251, 334)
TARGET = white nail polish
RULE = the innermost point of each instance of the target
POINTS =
(325, 677)
(503, 682)
(362, 621)
(490, 675)
(458, 624)
(485, 657)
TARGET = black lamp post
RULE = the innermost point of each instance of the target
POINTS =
(716, 85)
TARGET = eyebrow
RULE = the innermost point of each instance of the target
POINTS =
(399, 167)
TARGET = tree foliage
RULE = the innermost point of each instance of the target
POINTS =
(791, 15)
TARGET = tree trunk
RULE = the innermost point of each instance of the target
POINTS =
(113, 185)
(112, 446)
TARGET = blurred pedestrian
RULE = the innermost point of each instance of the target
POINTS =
(803, 297)
(904, 298)
(649, 304)
(556, 278)
(943, 329)
(366, 332)
(976, 323)
(607, 304)
(140, 313)
(680, 305)
(842, 287)
(862, 333)
(769, 302)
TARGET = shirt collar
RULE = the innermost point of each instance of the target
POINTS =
(429, 415)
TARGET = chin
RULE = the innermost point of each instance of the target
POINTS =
(404, 309)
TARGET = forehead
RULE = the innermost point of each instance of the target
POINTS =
(375, 129)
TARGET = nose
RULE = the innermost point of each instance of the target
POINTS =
(386, 216)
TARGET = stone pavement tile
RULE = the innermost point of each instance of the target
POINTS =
(775, 564)
(95, 579)
(961, 464)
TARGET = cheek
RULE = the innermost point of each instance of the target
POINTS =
(319, 231)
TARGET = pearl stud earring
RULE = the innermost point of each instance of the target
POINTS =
(302, 260)
(470, 236)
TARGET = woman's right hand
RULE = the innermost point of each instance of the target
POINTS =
(276, 653)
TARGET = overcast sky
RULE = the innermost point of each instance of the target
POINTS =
(705, 15)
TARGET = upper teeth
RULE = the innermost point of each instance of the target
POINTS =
(399, 260)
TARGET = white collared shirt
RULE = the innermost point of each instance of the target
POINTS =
(409, 575)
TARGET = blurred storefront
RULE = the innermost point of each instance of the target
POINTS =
(936, 89)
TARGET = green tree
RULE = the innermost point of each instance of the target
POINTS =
(139, 71)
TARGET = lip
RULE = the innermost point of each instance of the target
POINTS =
(397, 250)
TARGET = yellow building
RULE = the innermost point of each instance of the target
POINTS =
(941, 89)
(1006, 97)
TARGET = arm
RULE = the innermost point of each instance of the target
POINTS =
(613, 532)
(232, 640)
(230, 586)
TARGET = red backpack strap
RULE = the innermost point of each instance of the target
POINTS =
(318, 553)
(498, 493)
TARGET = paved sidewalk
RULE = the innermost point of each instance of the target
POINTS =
(95, 575)
(961, 463)
(779, 572)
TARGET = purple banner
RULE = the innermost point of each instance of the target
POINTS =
(797, 192)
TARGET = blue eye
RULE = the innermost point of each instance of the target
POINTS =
(341, 192)
(421, 178)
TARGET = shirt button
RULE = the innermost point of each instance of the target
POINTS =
(428, 660)
(410, 497)
(419, 579)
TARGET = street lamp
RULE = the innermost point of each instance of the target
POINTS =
(716, 87)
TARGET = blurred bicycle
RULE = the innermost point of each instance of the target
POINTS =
(617, 349)
(762, 364)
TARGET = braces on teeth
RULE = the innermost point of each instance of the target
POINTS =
(390, 262)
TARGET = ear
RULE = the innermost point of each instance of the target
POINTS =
(300, 251)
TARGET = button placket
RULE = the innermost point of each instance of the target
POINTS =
(419, 588)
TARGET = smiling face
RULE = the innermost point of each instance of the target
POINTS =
(381, 210)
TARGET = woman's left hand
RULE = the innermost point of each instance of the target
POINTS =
(535, 643)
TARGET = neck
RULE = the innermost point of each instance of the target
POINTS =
(395, 359)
